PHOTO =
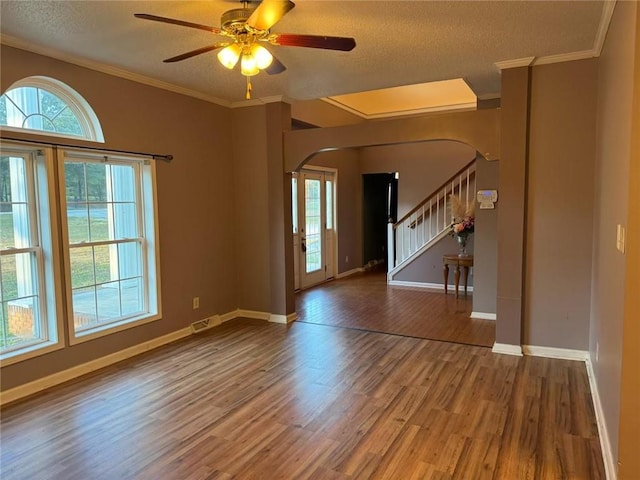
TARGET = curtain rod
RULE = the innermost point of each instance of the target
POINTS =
(155, 156)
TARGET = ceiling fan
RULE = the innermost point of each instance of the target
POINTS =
(246, 28)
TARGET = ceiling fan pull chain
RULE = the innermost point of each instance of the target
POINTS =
(248, 96)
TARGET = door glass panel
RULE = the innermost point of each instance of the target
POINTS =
(313, 225)
(329, 195)
(294, 204)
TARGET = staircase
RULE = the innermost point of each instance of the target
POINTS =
(429, 221)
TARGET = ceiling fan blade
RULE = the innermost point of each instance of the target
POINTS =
(173, 21)
(276, 67)
(193, 53)
(268, 13)
(313, 41)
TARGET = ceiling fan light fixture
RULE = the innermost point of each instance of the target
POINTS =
(248, 64)
(230, 55)
(245, 28)
(262, 55)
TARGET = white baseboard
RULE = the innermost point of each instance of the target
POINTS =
(225, 317)
(583, 355)
(269, 317)
(610, 468)
(553, 352)
(507, 349)
(52, 380)
(284, 319)
(483, 316)
(432, 286)
(350, 272)
(74, 372)
(252, 314)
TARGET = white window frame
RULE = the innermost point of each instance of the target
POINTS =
(43, 214)
(148, 230)
(89, 123)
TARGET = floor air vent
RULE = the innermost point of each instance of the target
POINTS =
(205, 324)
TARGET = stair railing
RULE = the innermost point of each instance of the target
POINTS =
(430, 218)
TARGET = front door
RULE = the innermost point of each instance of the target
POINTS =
(315, 242)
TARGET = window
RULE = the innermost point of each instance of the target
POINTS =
(29, 316)
(105, 207)
(110, 240)
(329, 201)
(45, 105)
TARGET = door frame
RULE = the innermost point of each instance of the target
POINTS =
(297, 251)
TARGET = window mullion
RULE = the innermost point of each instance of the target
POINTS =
(99, 243)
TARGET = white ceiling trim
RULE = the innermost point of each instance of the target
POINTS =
(546, 60)
(262, 101)
(402, 113)
(564, 57)
(515, 63)
(108, 69)
(603, 27)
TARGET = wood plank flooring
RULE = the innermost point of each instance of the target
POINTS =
(253, 400)
(364, 301)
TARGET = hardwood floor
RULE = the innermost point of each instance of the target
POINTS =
(365, 302)
(253, 400)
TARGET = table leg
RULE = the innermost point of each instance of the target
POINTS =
(445, 271)
(457, 278)
(466, 277)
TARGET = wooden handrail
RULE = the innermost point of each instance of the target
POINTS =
(436, 191)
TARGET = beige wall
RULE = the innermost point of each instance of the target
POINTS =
(428, 266)
(349, 201)
(512, 188)
(478, 128)
(485, 248)
(251, 207)
(262, 206)
(613, 152)
(422, 167)
(560, 205)
(322, 114)
(628, 458)
(197, 250)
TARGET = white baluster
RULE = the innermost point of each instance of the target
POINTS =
(391, 245)
(430, 218)
(424, 220)
(437, 211)
(467, 189)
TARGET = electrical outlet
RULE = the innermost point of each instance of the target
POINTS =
(597, 352)
(346, 259)
(196, 302)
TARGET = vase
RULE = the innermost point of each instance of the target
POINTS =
(462, 245)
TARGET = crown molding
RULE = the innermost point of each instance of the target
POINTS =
(277, 99)
(564, 57)
(515, 63)
(603, 27)
(400, 113)
(261, 101)
(601, 35)
(108, 69)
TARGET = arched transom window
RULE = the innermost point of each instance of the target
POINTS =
(48, 106)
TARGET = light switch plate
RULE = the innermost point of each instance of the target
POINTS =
(620, 238)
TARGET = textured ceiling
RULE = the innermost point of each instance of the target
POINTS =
(398, 42)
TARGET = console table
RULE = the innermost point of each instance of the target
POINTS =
(465, 261)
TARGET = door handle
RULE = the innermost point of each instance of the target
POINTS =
(303, 245)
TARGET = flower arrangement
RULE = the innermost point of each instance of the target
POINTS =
(463, 220)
